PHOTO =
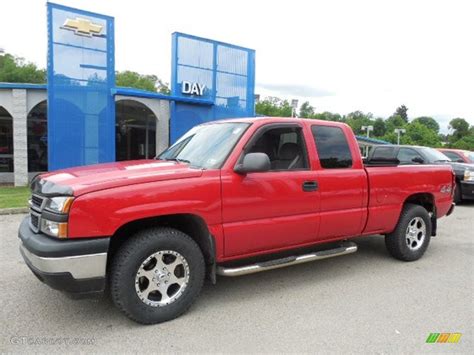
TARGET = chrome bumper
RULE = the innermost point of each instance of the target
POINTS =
(79, 266)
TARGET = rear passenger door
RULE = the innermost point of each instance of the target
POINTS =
(342, 184)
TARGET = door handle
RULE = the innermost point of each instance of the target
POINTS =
(309, 186)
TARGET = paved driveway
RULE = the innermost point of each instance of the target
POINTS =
(364, 302)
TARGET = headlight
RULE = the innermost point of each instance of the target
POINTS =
(60, 204)
(468, 175)
(54, 229)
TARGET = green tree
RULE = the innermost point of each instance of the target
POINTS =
(402, 112)
(394, 122)
(328, 116)
(466, 142)
(16, 70)
(428, 122)
(139, 81)
(460, 129)
(273, 107)
(380, 127)
(306, 110)
(419, 134)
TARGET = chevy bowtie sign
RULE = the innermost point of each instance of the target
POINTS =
(190, 88)
(83, 27)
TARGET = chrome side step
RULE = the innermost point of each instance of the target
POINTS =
(345, 248)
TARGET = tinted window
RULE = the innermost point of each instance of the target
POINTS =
(406, 155)
(383, 153)
(333, 149)
(453, 156)
(284, 146)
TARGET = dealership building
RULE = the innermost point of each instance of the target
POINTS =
(80, 117)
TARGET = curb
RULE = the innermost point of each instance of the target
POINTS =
(17, 210)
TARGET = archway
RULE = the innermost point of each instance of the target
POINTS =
(38, 138)
(6, 141)
(135, 131)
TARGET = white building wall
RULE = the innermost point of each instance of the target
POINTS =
(20, 149)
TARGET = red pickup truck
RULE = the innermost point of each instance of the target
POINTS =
(229, 198)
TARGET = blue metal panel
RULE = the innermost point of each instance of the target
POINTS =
(81, 74)
(226, 70)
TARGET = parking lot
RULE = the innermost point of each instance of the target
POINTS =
(364, 302)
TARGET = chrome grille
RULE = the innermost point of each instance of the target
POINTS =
(37, 201)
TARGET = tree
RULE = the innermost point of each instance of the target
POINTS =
(460, 128)
(328, 116)
(428, 122)
(467, 143)
(380, 127)
(306, 110)
(274, 107)
(16, 70)
(419, 134)
(394, 122)
(139, 81)
(402, 112)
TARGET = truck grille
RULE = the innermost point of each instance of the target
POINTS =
(36, 204)
(37, 201)
(34, 221)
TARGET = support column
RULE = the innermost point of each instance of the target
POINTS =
(163, 126)
(20, 147)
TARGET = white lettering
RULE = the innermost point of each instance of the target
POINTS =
(192, 88)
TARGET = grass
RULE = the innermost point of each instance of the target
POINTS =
(11, 197)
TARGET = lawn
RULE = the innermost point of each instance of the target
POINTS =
(14, 196)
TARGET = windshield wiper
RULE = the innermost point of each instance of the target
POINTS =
(179, 160)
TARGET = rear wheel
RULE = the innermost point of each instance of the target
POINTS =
(156, 275)
(411, 237)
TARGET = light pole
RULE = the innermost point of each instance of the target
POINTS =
(398, 131)
(368, 129)
(294, 105)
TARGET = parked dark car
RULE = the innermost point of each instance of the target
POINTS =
(409, 155)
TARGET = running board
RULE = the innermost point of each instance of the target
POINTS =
(344, 248)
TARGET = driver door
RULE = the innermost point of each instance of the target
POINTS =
(272, 210)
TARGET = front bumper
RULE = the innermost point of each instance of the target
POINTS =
(467, 190)
(77, 267)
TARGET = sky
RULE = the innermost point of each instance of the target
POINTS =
(341, 56)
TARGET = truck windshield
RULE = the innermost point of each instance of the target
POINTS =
(206, 146)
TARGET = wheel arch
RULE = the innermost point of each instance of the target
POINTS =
(427, 201)
(190, 224)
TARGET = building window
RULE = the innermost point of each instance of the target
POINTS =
(135, 130)
(38, 138)
(6, 141)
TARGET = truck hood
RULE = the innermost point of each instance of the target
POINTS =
(81, 180)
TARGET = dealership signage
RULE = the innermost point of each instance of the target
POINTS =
(190, 88)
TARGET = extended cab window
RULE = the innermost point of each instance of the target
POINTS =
(284, 146)
(332, 146)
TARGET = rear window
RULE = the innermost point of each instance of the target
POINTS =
(382, 153)
(332, 146)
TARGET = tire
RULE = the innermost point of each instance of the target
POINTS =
(411, 237)
(138, 282)
(457, 194)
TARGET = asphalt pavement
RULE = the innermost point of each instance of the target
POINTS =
(365, 302)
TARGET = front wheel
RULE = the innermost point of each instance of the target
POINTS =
(156, 275)
(411, 237)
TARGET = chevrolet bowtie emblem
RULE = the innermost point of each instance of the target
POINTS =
(83, 27)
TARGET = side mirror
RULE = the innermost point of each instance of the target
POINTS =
(459, 160)
(253, 163)
(418, 160)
